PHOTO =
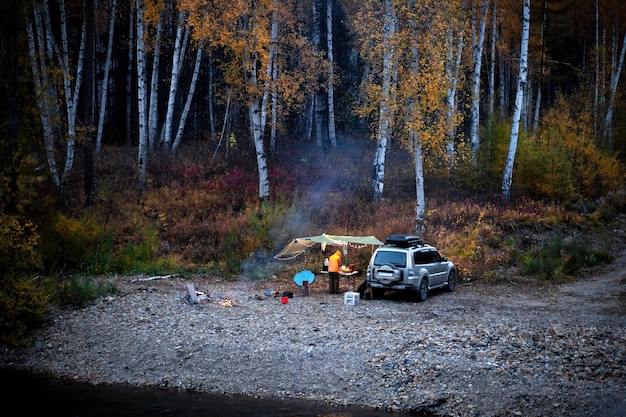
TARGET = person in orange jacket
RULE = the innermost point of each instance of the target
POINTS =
(333, 272)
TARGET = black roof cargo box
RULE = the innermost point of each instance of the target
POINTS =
(403, 241)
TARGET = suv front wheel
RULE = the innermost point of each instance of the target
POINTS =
(422, 291)
(451, 280)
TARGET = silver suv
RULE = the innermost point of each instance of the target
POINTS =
(406, 263)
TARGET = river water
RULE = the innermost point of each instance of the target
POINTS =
(33, 394)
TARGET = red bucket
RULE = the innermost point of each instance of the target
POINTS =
(284, 300)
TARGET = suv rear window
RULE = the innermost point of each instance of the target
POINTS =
(390, 257)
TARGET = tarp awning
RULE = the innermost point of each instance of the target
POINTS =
(340, 240)
(300, 244)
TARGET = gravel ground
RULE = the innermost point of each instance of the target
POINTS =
(483, 350)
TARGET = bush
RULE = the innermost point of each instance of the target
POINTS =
(23, 306)
(79, 291)
(561, 258)
(18, 247)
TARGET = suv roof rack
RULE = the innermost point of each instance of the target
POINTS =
(404, 241)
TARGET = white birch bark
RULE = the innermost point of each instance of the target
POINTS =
(541, 70)
(71, 76)
(519, 101)
(475, 84)
(39, 70)
(182, 37)
(251, 79)
(190, 93)
(384, 118)
(105, 79)
(420, 201)
(71, 92)
(331, 74)
(415, 137)
(453, 66)
(274, 127)
(153, 114)
(270, 65)
(608, 120)
(142, 93)
(316, 99)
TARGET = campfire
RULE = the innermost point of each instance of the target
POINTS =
(226, 302)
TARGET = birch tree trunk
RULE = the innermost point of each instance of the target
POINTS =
(420, 202)
(182, 37)
(271, 64)
(331, 74)
(192, 89)
(384, 119)
(43, 74)
(274, 126)
(608, 120)
(153, 114)
(453, 66)
(105, 78)
(312, 100)
(40, 70)
(142, 98)
(71, 92)
(251, 79)
(475, 84)
(519, 101)
(541, 71)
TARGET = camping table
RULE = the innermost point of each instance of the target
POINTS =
(352, 274)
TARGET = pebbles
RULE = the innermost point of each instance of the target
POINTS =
(488, 351)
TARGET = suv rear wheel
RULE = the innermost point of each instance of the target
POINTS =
(422, 291)
(377, 292)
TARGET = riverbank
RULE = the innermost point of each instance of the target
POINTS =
(482, 350)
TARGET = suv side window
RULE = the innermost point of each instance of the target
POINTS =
(390, 257)
(422, 258)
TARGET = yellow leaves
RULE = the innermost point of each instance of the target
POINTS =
(152, 12)
(563, 163)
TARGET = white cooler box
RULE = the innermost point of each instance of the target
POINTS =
(351, 298)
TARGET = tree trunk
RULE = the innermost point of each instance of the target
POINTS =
(105, 78)
(475, 85)
(519, 101)
(40, 71)
(384, 119)
(182, 37)
(420, 202)
(331, 74)
(71, 92)
(608, 120)
(192, 89)
(453, 66)
(153, 113)
(142, 92)
(89, 108)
